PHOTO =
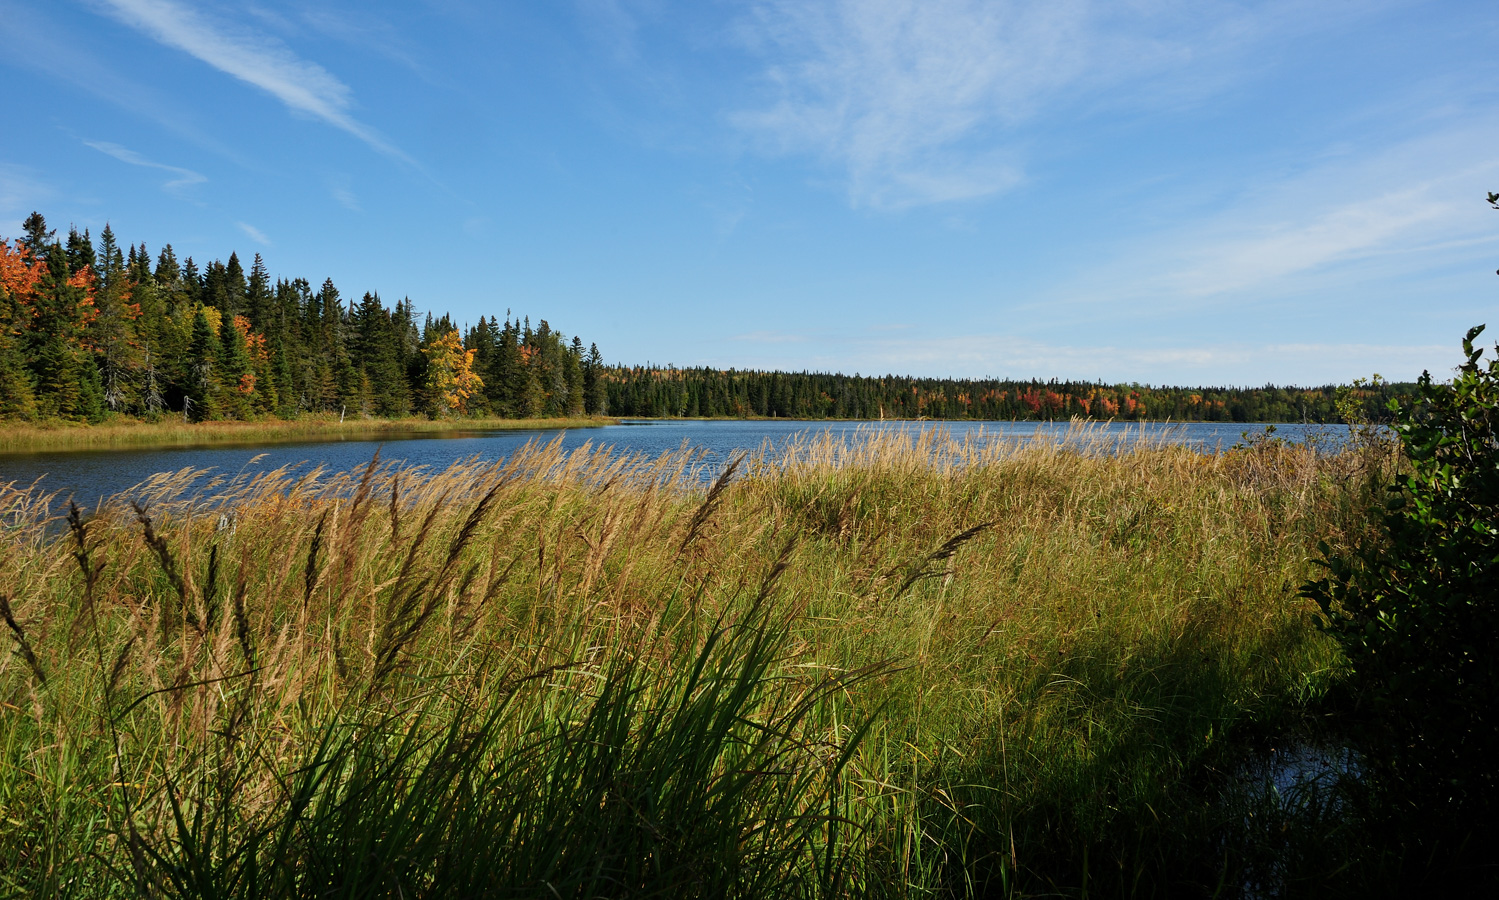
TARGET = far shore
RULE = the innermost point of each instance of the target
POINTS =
(19, 438)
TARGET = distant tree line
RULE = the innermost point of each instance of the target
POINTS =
(92, 330)
(650, 391)
(87, 331)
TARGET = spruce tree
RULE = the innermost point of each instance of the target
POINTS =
(258, 299)
(232, 287)
(17, 394)
(595, 389)
(168, 273)
(113, 332)
(80, 249)
(38, 236)
(236, 378)
(574, 371)
(202, 395)
(54, 344)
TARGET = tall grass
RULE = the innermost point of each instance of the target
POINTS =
(171, 432)
(892, 665)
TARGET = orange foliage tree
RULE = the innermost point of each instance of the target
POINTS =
(451, 379)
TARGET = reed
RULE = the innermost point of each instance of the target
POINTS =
(893, 665)
(56, 437)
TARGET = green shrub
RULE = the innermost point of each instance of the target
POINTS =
(1414, 608)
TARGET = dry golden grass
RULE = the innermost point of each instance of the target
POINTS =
(1063, 631)
(25, 438)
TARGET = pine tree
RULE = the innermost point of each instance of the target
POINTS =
(113, 330)
(235, 375)
(168, 273)
(574, 370)
(202, 395)
(80, 249)
(64, 374)
(258, 298)
(595, 389)
(231, 289)
(39, 238)
(17, 395)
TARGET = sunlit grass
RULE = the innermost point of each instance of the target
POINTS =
(28, 438)
(890, 664)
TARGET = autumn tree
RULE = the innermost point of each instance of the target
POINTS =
(18, 278)
(451, 379)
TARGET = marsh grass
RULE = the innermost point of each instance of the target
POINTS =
(891, 665)
(172, 432)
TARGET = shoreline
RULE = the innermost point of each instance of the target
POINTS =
(29, 439)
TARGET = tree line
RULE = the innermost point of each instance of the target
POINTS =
(89, 330)
(648, 391)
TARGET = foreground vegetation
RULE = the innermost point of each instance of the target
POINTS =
(895, 667)
(21, 438)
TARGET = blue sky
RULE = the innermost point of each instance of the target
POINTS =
(1164, 191)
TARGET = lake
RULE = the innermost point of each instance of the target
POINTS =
(89, 475)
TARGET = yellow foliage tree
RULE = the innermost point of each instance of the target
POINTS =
(451, 379)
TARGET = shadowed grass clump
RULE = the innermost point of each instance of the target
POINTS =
(891, 666)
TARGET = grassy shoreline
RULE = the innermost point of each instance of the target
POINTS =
(23, 438)
(890, 665)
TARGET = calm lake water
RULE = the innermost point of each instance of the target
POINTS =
(88, 475)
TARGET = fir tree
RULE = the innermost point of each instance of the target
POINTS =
(236, 378)
(112, 330)
(201, 401)
(39, 238)
(80, 249)
(258, 298)
(17, 394)
(574, 367)
(595, 390)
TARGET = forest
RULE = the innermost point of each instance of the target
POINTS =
(648, 391)
(93, 331)
(89, 332)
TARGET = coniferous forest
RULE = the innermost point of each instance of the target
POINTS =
(93, 329)
(90, 330)
(650, 391)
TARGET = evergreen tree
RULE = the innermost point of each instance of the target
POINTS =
(80, 250)
(112, 331)
(38, 236)
(17, 394)
(595, 391)
(65, 376)
(235, 375)
(168, 273)
(202, 393)
(258, 298)
(574, 371)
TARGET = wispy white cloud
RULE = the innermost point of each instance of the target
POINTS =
(303, 86)
(1346, 225)
(370, 34)
(182, 178)
(344, 194)
(255, 234)
(32, 41)
(922, 101)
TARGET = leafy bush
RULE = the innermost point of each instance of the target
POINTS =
(1415, 608)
